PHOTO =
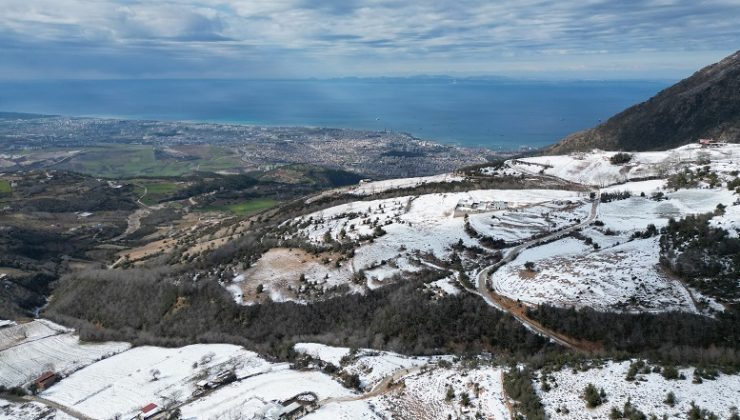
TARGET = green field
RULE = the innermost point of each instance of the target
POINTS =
(5, 187)
(156, 191)
(244, 208)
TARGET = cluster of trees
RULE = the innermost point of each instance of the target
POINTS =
(485, 240)
(620, 158)
(615, 196)
(690, 179)
(705, 256)
(145, 306)
(519, 387)
(69, 192)
(672, 337)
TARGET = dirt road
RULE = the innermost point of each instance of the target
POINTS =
(70, 411)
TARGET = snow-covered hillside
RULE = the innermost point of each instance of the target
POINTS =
(647, 393)
(569, 273)
(29, 349)
(594, 168)
(402, 229)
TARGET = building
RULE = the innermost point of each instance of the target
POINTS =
(46, 380)
(468, 206)
(711, 143)
(149, 411)
(292, 411)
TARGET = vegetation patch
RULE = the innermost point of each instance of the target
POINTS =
(153, 192)
(244, 208)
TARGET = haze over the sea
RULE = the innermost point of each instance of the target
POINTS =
(492, 113)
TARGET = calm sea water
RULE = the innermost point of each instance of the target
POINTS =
(489, 113)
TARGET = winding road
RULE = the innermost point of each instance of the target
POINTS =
(515, 308)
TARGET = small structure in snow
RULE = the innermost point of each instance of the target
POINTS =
(292, 411)
(467, 206)
(711, 143)
(148, 411)
(6, 322)
(46, 380)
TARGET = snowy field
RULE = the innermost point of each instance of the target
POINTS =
(730, 221)
(375, 187)
(567, 272)
(30, 349)
(527, 222)
(279, 271)
(424, 395)
(260, 395)
(635, 213)
(124, 383)
(647, 393)
(10, 410)
(370, 365)
(594, 168)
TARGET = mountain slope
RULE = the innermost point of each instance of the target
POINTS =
(705, 105)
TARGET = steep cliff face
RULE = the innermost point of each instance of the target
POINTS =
(705, 105)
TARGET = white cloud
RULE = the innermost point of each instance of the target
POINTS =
(329, 37)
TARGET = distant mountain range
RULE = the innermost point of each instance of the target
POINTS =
(705, 105)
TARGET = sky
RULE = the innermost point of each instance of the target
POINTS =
(582, 39)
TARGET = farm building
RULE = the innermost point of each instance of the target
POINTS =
(711, 143)
(466, 206)
(149, 411)
(46, 380)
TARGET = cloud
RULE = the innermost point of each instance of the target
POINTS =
(304, 38)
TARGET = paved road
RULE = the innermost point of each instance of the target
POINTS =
(504, 304)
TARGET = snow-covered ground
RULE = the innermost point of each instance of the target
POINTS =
(635, 213)
(522, 223)
(594, 168)
(730, 221)
(374, 187)
(647, 393)
(569, 273)
(424, 394)
(638, 187)
(124, 383)
(11, 410)
(370, 365)
(412, 225)
(261, 394)
(30, 349)
(279, 272)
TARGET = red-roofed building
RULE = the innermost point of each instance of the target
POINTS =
(149, 411)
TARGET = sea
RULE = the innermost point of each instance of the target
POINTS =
(499, 114)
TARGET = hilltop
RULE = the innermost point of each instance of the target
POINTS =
(705, 105)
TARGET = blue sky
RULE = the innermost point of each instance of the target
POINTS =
(587, 39)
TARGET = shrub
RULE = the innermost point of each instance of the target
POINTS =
(620, 158)
(670, 399)
(593, 397)
(670, 372)
(698, 413)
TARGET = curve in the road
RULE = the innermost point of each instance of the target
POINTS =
(514, 308)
